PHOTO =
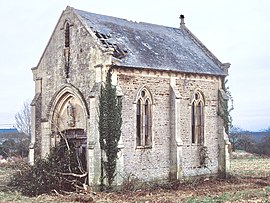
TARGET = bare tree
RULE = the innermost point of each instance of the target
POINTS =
(263, 147)
(246, 142)
(23, 119)
(235, 136)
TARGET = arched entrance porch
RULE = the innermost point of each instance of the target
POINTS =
(68, 117)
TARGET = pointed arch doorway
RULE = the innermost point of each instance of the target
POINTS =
(68, 123)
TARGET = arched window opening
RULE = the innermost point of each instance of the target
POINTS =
(193, 122)
(139, 121)
(144, 119)
(67, 49)
(197, 119)
(67, 35)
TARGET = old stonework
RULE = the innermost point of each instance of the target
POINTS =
(169, 83)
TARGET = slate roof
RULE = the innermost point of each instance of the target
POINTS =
(144, 45)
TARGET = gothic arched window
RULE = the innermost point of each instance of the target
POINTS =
(67, 35)
(197, 118)
(67, 49)
(144, 118)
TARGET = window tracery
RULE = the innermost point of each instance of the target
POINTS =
(197, 118)
(144, 119)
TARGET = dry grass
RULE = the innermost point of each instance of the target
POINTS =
(251, 166)
(250, 183)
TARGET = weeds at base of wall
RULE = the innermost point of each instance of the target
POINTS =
(132, 184)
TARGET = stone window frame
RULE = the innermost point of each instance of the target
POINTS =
(67, 34)
(144, 118)
(197, 118)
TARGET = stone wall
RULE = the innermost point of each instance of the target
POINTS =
(84, 56)
(87, 67)
(146, 163)
(157, 162)
(209, 86)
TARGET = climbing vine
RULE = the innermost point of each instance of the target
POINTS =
(110, 122)
(203, 155)
(226, 106)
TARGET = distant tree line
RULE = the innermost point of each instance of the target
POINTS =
(253, 142)
(15, 147)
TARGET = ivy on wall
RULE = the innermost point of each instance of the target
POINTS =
(225, 106)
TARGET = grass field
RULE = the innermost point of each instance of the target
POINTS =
(253, 166)
(250, 182)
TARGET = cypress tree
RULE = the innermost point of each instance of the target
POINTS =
(110, 122)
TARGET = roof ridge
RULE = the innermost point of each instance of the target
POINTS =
(128, 20)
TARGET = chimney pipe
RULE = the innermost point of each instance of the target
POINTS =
(182, 21)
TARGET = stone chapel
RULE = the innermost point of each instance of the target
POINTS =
(171, 87)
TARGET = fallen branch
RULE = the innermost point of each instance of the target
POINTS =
(57, 193)
(6, 186)
(73, 174)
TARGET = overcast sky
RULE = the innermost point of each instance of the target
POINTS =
(235, 31)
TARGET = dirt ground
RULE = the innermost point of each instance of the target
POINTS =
(184, 192)
(249, 182)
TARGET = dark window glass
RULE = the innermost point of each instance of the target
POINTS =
(139, 127)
